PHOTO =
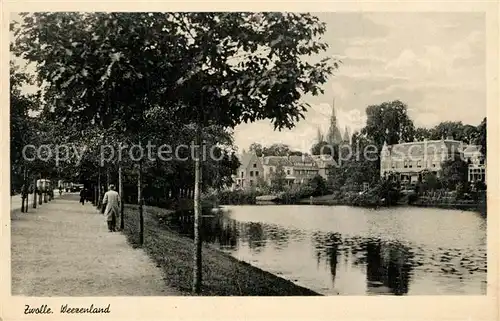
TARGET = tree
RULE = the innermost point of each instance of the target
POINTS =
(277, 150)
(295, 153)
(454, 172)
(256, 148)
(323, 148)
(317, 185)
(481, 136)
(262, 185)
(388, 122)
(23, 129)
(319, 136)
(432, 181)
(208, 69)
(457, 130)
(422, 133)
(278, 179)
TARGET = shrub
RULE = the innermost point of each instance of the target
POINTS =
(236, 197)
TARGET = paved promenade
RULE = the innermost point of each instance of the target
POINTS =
(63, 248)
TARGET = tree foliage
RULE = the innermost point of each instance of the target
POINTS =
(454, 172)
(154, 75)
(278, 179)
(388, 122)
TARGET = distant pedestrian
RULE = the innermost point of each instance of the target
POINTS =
(82, 196)
(112, 203)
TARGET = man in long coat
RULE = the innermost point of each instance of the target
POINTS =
(112, 202)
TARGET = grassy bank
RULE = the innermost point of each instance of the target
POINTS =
(223, 275)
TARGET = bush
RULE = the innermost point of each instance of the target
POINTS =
(237, 197)
(318, 186)
(296, 193)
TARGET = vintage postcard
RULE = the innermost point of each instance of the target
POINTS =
(286, 160)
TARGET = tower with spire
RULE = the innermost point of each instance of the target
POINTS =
(347, 135)
(334, 136)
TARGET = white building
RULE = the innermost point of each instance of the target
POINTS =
(409, 160)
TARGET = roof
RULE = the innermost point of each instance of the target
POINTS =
(432, 146)
(301, 159)
(245, 159)
(277, 160)
(472, 149)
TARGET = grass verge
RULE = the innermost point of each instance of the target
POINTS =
(223, 275)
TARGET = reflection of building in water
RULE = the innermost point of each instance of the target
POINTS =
(387, 267)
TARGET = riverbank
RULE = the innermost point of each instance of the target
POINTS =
(331, 200)
(223, 275)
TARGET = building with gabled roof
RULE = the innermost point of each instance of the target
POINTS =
(249, 171)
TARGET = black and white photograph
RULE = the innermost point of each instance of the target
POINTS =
(248, 153)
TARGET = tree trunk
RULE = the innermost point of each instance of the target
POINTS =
(96, 195)
(120, 189)
(197, 277)
(40, 196)
(34, 192)
(23, 193)
(27, 201)
(108, 182)
(139, 201)
(99, 188)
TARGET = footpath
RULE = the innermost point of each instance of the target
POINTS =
(63, 248)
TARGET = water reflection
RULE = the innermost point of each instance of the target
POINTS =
(344, 262)
(254, 235)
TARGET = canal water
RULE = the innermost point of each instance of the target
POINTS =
(356, 251)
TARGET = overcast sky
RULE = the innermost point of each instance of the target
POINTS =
(433, 62)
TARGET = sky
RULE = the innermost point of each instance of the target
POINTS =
(433, 62)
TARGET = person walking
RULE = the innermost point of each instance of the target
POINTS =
(111, 201)
(82, 196)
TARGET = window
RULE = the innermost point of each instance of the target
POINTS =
(242, 174)
(251, 173)
(256, 173)
(251, 182)
(271, 169)
(254, 165)
(393, 165)
(419, 163)
(288, 172)
(406, 163)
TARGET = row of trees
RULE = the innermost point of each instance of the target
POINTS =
(174, 78)
(277, 149)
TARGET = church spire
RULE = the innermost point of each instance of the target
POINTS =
(347, 136)
(334, 136)
(319, 135)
